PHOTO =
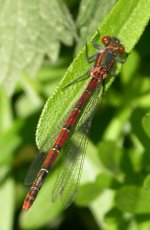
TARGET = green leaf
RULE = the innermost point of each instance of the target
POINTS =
(146, 124)
(128, 28)
(147, 183)
(111, 159)
(144, 222)
(133, 199)
(5, 110)
(115, 220)
(91, 190)
(129, 69)
(87, 193)
(115, 127)
(28, 33)
(105, 180)
(12, 137)
(100, 206)
(7, 198)
(30, 101)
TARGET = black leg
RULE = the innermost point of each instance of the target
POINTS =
(84, 76)
(97, 46)
(119, 59)
(89, 58)
(96, 36)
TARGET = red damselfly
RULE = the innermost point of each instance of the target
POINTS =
(76, 127)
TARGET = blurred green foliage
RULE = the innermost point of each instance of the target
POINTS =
(41, 41)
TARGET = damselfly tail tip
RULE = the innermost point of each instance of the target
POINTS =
(26, 206)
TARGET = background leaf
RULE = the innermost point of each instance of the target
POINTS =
(133, 199)
(29, 30)
(7, 200)
(146, 123)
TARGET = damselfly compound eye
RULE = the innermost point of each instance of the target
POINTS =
(121, 49)
(105, 40)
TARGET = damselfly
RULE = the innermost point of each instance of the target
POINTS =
(76, 127)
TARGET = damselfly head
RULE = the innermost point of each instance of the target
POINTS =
(106, 40)
(113, 43)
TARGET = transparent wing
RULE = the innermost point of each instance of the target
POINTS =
(34, 168)
(68, 179)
